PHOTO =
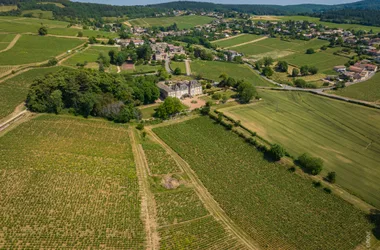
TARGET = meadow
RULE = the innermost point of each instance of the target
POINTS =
(5, 39)
(323, 60)
(232, 41)
(346, 136)
(277, 208)
(90, 55)
(181, 65)
(38, 14)
(367, 91)
(183, 22)
(15, 90)
(33, 49)
(69, 182)
(278, 48)
(213, 69)
(6, 8)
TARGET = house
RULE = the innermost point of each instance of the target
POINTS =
(126, 42)
(340, 69)
(355, 69)
(180, 89)
(175, 49)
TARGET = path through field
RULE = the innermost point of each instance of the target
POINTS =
(188, 69)
(227, 38)
(206, 197)
(253, 41)
(148, 206)
(11, 44)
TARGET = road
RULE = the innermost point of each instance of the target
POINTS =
(253, 41)
(188, 69)
(167, 65)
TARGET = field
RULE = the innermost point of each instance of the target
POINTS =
(183, 22)
(14, 90)
(69, 182)
(324, 61)
(236, 40)
(278, 209)
(5, 39)
(278, 48)
(6, 8)
(89, 55)
(345, 136)
(181, 65)
(367, 91)
(56, 4)
(182, 219)
(212, 70)
(33, 49)
(38, 14)
(148, 112)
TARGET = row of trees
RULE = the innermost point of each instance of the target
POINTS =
(89, 92)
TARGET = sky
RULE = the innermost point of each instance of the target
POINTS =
(280, 2)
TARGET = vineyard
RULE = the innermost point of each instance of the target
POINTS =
(69, 183)
(183, 221)
(277, 208)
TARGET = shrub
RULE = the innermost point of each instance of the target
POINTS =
(327, 190)
(140, 126)
(312, 165)
(317, 184)
(331, 177)
(310, 51)
(295, 72)
(277, 152)
(216, 96)
(42, 31)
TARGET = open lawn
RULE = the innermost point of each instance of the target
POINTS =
(346, 136)
(6, 8)
(181, 65)
(15, 90)
(5, 39)
(324, 61)
(33, 49)
(38, 14)
(69, 182)
(89, 55)
(277, 208)
(148, 112)
(367, 91)
(278, 47)
(212, 70)
(183, 22)
(236, 40)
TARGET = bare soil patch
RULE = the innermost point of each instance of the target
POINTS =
(194, 103)
(128, 66)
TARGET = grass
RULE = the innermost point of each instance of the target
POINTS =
(56, 4)
(146, 68)
(76, 183)
(212, 70)
(42, 14)
(367, 91)
(344, 135)
(14, 90)
(6, 8)
(236, 40)
(181, 65)
(277, 208)
(183, 22)
(5, 39)
(148, 112)
(89, 55)
(324, 61)
(33, 49)
(159, 161)
(276, 47)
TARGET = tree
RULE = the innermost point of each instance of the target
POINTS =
(169, 107)
(53, 61)
(80, 34)
(300, 83)
(56, 101)
(313, 70)
(206, 109)
(268, 71)
(312, 165)
(177, 71)
(42, 31)
(162, 74)
(268, 61)
(295, 72)
(277, 152)
(282, 66)
(92, 40)
(310, 51)
(304, 70)
(331, 177)
(246, 92)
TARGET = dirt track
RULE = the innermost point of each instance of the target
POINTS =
(253, 41)
(11, 44)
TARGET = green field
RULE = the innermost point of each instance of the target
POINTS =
(6, 8)
(181, 65)
(38, 14)
(367, 91)
(324, 61)
(14, 90)
(146, 68)
(212, 70)
(5, 39)
(345, 136)
(69, 182)
(89, 55)
(236, 40)
(278, 209)
(278, 48)
(183, 22)
(33, 49)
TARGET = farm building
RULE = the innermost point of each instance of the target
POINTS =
(180, 89)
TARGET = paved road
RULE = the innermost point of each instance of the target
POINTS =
(188, 69)
(167, 65)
